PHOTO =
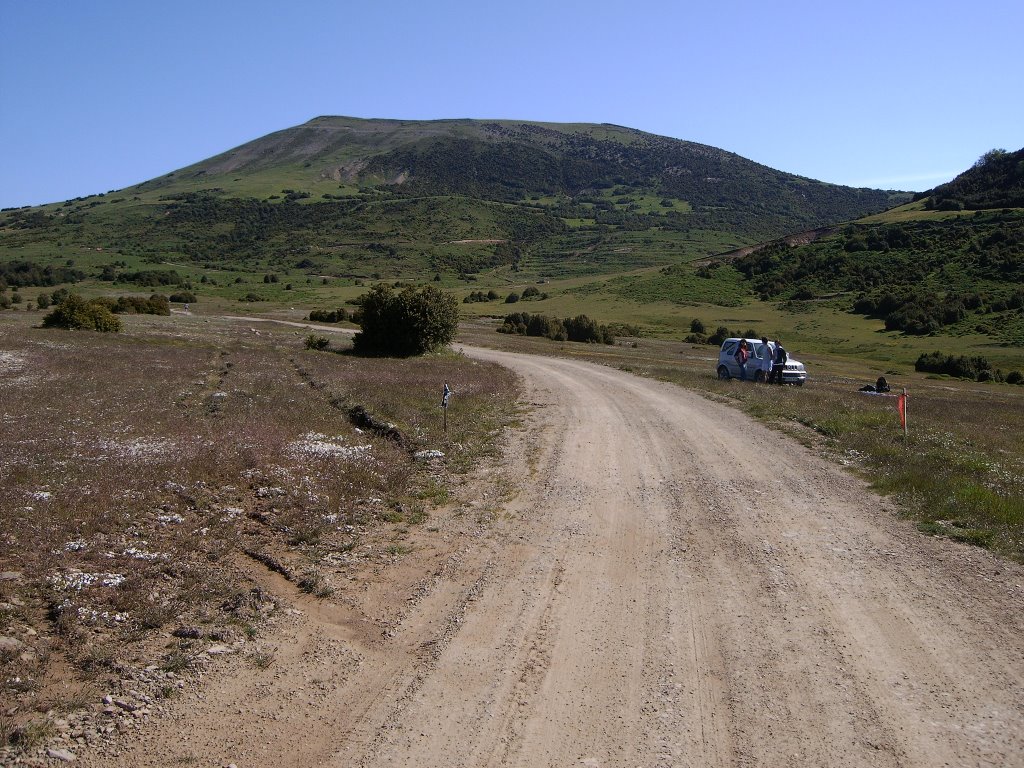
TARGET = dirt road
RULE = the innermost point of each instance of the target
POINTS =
(672, 585)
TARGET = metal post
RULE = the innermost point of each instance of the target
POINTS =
(901, 406)
(444, 405)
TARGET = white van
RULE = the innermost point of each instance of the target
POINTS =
(728, 368)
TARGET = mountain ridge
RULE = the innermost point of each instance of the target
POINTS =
(326, 140)
(409, 199)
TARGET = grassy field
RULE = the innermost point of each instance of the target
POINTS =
(146, 473)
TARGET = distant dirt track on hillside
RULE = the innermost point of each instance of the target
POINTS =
(672, 585)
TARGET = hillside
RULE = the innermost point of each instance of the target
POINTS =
(952, 262)
(513, 162)
(995, 181)
(408, 199)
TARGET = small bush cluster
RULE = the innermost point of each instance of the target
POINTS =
(21, 274)
(579, 328)
(530, 292)
(338, 315)
(317, 342)
(150, 278)
(74, 313)
(479, 296)
(921, 313)
(185, 297)
(156, 304)
(974, 368)
(963, 367)
(699, 335)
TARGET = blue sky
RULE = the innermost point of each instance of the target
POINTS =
(98, 95)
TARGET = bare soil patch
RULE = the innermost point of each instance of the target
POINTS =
(172, 491)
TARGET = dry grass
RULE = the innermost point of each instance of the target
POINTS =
(135, 466)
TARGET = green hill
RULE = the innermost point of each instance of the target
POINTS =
(995, 181)
(408, 199)
(952, 262)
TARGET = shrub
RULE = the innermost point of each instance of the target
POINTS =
(512, 298)
(150, 278)
(410, 322)
(917, 312)
(329, 315)
(21, 274)
(186, 297)
(582, 328)
(313, 341)
(1014, 377)
(721, 334)
(696, 326)
(156, 304)
(579, 328)
(976, 368)
(74, 312)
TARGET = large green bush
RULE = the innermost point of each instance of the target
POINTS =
(409, 322)
(339, 315)
(960, 366)
(579, 328)
(74, 312)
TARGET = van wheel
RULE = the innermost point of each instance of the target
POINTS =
(723, 373)
(759, 377)
(799, 383)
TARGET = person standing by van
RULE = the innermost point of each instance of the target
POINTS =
(742, 355)
(780, 363)
(767, 360)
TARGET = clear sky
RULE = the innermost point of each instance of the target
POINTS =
(97, 95)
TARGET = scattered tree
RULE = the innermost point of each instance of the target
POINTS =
(74, 312)
(409, 322)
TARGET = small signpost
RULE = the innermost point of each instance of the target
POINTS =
(901, 404)
(444, 405)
